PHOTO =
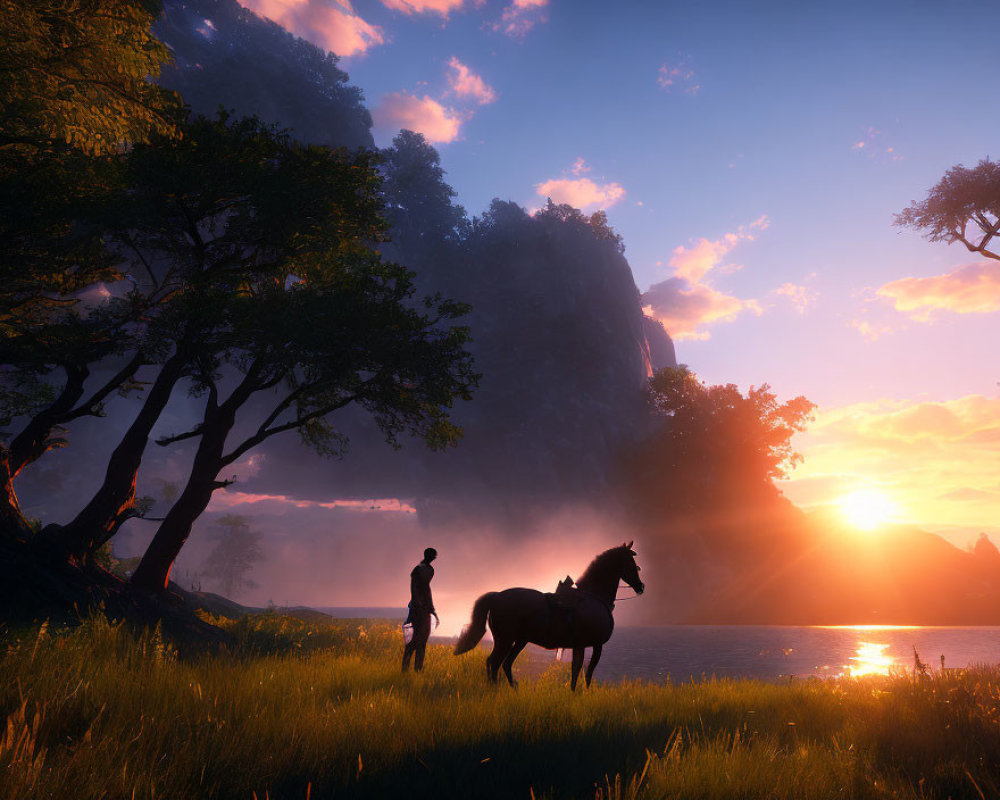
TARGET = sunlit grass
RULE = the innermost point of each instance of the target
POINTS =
(324, 711)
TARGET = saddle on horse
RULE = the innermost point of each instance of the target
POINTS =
(563, 604)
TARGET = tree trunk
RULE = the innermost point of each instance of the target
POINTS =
(29, 445)
(108, 508)
(153, 572)
(13, 525)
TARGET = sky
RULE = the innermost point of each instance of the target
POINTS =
(752, 155)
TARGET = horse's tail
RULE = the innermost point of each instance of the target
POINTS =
(476, 629)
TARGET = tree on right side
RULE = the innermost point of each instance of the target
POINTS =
(704, 478)
(964, 206)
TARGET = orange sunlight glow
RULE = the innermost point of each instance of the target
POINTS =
(867, 509)
(871, 658)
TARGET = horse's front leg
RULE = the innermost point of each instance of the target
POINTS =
(577, 663)
(595, 656)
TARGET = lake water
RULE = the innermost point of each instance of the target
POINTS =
(681, 652)
(678, 653)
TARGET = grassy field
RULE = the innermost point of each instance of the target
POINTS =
(300, 711)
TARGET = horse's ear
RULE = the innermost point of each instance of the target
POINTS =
(629, 545)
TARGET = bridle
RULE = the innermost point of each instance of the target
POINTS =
(626, 586)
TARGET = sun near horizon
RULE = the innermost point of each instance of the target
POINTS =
(867, 509)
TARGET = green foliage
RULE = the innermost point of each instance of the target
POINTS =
(963, 197)
(324, 710)
(77, 72)
(74, 93)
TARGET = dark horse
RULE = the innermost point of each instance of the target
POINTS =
(520, 616)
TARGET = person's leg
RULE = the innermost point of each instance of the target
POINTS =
(421, 633)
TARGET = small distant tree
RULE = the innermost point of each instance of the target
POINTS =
(963, 207)
(237, 549)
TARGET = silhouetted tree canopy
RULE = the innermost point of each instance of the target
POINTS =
(714, 447)
(963, 200)
(225, 55)
(74, 90)
(259, 254)
(420, 206)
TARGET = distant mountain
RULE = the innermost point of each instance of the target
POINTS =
(225, 55)
(809, 569)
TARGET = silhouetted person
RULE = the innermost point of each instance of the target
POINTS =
(421, 610)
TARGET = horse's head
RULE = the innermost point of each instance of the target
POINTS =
(629, 569)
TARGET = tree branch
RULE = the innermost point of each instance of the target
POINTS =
(298, 422)
(89, 408)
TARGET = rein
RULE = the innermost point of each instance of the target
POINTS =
(626, 586)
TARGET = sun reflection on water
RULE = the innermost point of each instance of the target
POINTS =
(871, 658)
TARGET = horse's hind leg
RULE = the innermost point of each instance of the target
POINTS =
(500, 649)
(577, 663)
(595, 656)
(508, 662)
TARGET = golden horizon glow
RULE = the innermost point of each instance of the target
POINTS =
(872, 627)
(867, 509)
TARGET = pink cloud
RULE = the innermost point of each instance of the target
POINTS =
(870, 330)
(398, 110)
(331, 25)
(694, 262)
(969, 289)
(801, 297)
(683, 308)
(678, 76)
(442, 7)
(520, 17)
(580, 167)
(685, 302)
(230, 498)
(466, 84)
(581, 193)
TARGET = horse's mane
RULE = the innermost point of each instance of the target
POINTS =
(600, 564)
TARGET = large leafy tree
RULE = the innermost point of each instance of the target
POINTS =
(700, 487)
(714, 447)
(74, 83)
(964, 206)
(78, 72)
(204, 220)
(74, 89)
(261, 251)
(345, 332)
